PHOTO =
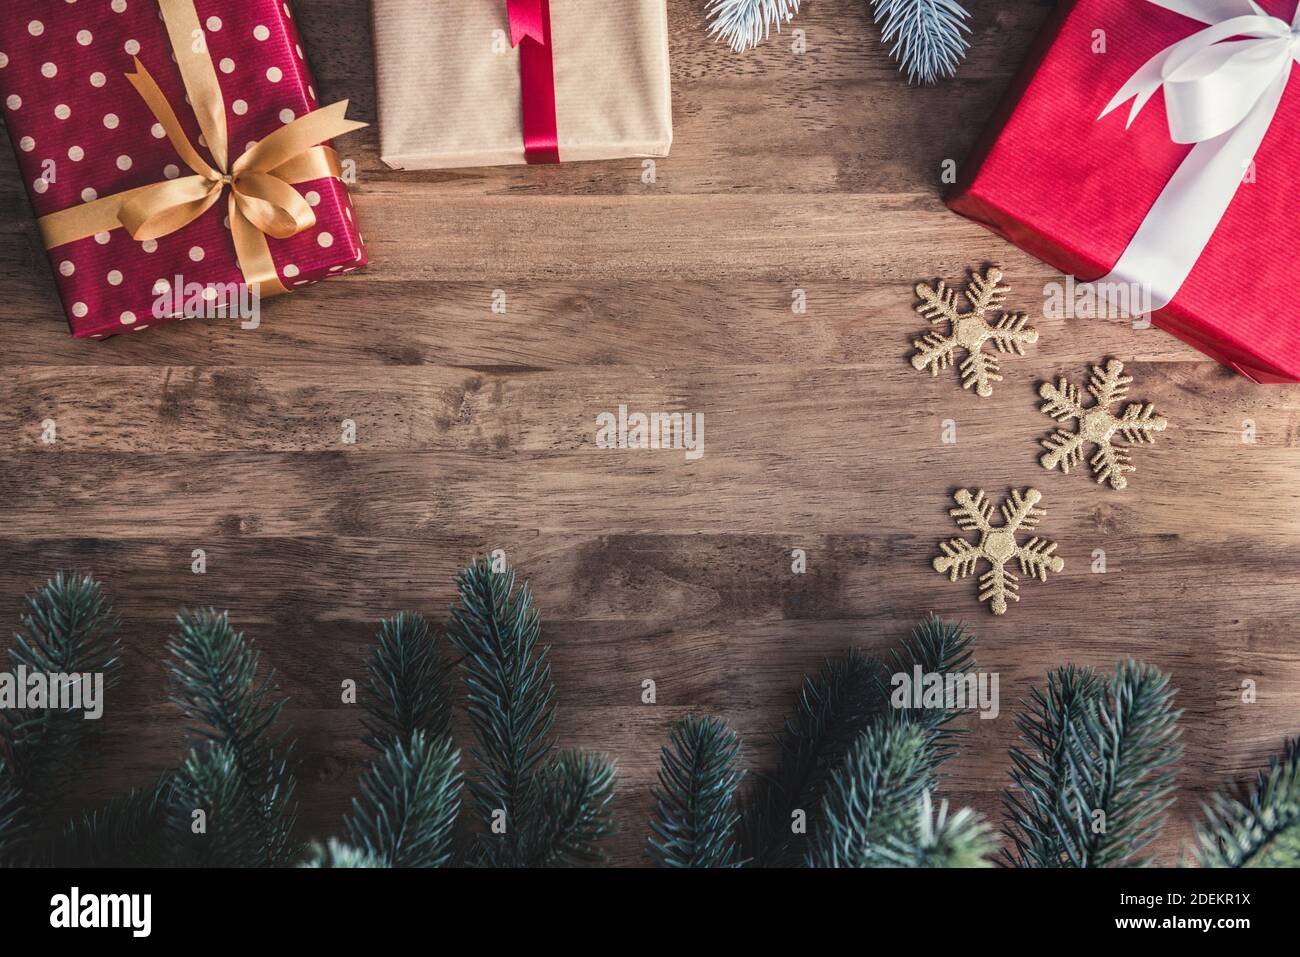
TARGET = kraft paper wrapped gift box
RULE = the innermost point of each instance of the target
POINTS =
(82, 132)
(1073, 187)
(451, 93)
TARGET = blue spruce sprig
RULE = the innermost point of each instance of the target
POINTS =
(747, 23)
(926, 37)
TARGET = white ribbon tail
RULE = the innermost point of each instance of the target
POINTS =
(1142, 85)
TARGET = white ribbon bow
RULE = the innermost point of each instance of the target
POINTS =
(1222, 95)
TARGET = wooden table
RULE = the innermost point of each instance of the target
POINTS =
(817, 172)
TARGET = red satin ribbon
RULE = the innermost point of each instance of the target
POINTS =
(530, 31)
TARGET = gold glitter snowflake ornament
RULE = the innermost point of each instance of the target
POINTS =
(997, 546)
(1097, 424)
(969, 331)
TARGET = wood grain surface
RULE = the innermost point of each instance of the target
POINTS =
(817, 171)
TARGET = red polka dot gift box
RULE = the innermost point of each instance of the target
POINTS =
(177, 157)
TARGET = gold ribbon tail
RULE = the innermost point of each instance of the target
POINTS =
(254, 254)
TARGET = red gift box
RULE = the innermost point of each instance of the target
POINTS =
(82, 132)
(1072, 187)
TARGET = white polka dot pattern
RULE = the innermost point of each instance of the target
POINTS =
(81, 133)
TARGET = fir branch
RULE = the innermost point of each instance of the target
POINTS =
(835, 706)
(871, 800)
(744, 24)
(573, 812)
(213, 673)
(695, 815)
(1103, 773)
(128, 831)
(926, 37)
(1040, 773)
(936, 647)
(11, 822)
(409, 684)
(214, 819)
(510, 701)
(409, 801)
(1260, 828)
(335, 853)
(1122, 769)
(67, 628)
(959, 840)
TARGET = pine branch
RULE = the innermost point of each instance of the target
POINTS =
(409, 684)
(69, 627)
(128, 831)
(744, 24)
(1125, 790)
(11, 822)
(926, 37)
(213, 673)
(68, 630)
(1040, 773)
(695, 815)
(510, 700)
(409, 801)
(870, 803)
(573, 814)
(214, 819)
(1260, 828)
(337, 854)
(835, 706)
(937, 648)
(1103, 773)
(960, 840)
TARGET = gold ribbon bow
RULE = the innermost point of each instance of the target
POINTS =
(261, 199)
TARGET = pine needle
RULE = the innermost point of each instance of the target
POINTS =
(67, 629)
(11, 821)
(573, 814)
(926, 37)
(335, 854)
(1260, 828)
(1100, 773)
(871, 799)
(936, 647)
(214, 817)
(744, 24)
(128, 831)
(538, 808)
(835, 706)
(409, 687)
(410, 798)
(1040, 772)
(943, 840)
(214, 677)
(695, 813)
